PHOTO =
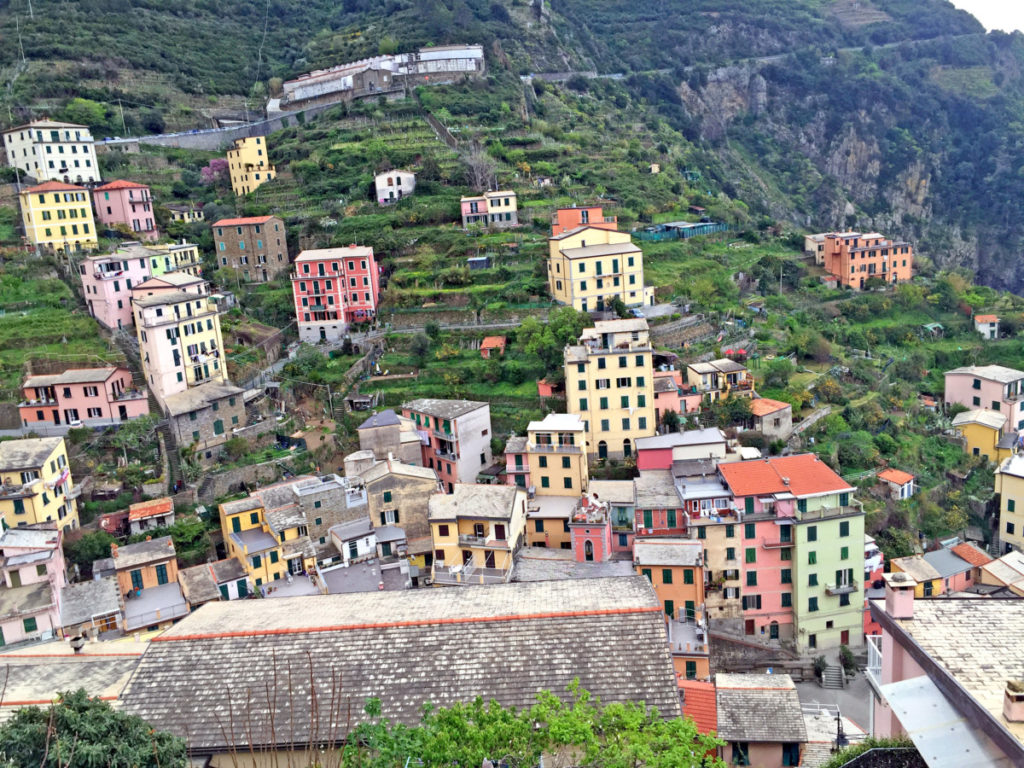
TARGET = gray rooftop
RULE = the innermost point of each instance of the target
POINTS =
(154, 605)
(198, 585)
(548, 564)
(516, 444)
(85, 600)
(30, 453)
(615, 492)
(386, 533)
(227, 570)
(282, 518)
(493, 502)
(386, 418)
(916, 567)
(72, 376)
(248, 504)
(197, 398)
(723, 365)
(353, 529)
(656, 490)
(998, 373)
(165, 298)
(947, 562)
(706, 436)
(254, 540)
(444, 409)
(393, 467)
(144, 553)
(30, 537)
(694, 468)
(603, 249)
(362, 577)
(668, 551)
(398, 646)
(758, 708)
(25, 601)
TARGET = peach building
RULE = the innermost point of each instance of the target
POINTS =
(590, 215)
(854, 258)
(760, 719)
(93, 396)
(670, 396)
(127, 203)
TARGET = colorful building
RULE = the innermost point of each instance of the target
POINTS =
(498, 210)
(802, 542)
(187, 213)
(662, 451)
(987, 326)
(32, 577)
(107, 281)
(589, 266)
(760, 719)
(58, 217)
(255, 247)
(718, 379)
(147, 577)
(671, 397)
(48, 150)
(854, 258)
(609, 379)
(127, 204)
(332, 288)
(620, 496)
(565, 219)
(900, 483)
(477, 530)
(1009, 484)
(659, 509)
(392, 186)
(249, 165)
(37, 485)
(988, 386)
(983, 433)
(719, 533)
(89, 396)
(455, 437)
(555, 452)
(927, 580)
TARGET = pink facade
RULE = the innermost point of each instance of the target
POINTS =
(654, 458)
(33, 560)
(332, 288)
(128, 204)
(107, 284)
(988, 386)
(92, 396)
(517, 469)
(769, 540)
(670, 396)
(591, 539)
(661, 522)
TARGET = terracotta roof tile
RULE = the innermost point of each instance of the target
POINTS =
(986, 318)
(803, 475)
(122, 184)
(897, 476)
(242, 221)
(53, 186)
(150, 508)
(699, 704)
(493, 342)
(971, 554)
(763, 406)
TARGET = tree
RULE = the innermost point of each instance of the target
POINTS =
(670, 420)
(618, 306)
(547, 340)
(135, 435)
(420, 347)
(81, 732)
(88, 548)
(480, 169)
(777, 373)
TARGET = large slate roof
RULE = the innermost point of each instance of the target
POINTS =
(753, 707)
(310, 663)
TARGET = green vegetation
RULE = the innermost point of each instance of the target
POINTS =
(904, 754)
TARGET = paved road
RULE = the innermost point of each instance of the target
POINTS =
(854, 701)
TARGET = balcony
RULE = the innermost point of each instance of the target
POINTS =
(841, 589)
(518, 469)
(445, 435)
(75, 492)
(482, 541)
(131, 394)
(39, 401)
(448, 455)
(111, 274)
(776, 543)
(555, 448)
(874, 669)
(468, 574)
(824, 513)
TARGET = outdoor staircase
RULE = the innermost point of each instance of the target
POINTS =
(171, 452)
(833, 677)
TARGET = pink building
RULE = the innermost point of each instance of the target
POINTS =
(591, 530)
(517, 462)
(988, 386)
(659, 510)
(660, 451)
(93, 397)
(455, 437)
(128, 204)
(32, 574)
(669, 395)
(332, 288)
(107, 282)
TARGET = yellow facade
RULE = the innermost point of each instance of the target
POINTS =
(983, 440)
(1009, 484)
(555, 453)
(264, 557)
(37, 484)
(589, 267)
(175, 257)
(609, 383)
(465, 538)
(249, 165)
(58, 217)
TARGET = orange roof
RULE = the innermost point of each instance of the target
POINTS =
(150, 508)
(803, 475)
(54, 186)
(123, 184)
(971, 554)
(699, 704)
(897, 476)
(493, 342)
(243, 221)
(763, 406)
(986, 318)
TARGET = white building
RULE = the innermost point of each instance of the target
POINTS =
(50, 151)
(392, 186)
(355, 540)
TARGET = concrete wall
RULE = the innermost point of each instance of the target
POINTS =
(229, 481)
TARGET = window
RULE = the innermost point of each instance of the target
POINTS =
(538, 526)
(790, 754)
(666, 575)
(442, 531)
(844, 553)
(688, 576)
(751, 555)
(928, 589)
(787, 576)
(730, 531)
(844, 528)
(605, 425)
(691, 670)
(730, 553)
(812, 533)
(751, 602)
(648, 518)
(646, 572)
(1010, 528)
(545, 482)
(812, 558)
(1011, 505)
(583, 403)
(787, 600)
(29, 624)
(751, 578)
(603, 403)
(748, 532)
(161, 574)
(257, 561)
(136, 577)
(273, 555)
(543, 462)
(812, 604)
(786, 553)
(671, 515)
(812, 580)
(387, 495)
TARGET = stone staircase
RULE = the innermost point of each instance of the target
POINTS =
(833, 677)
(170, 448)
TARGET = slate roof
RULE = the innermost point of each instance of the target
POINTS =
(143, 553)
(71, 376)
(491, 502)
(516, 444)
(946, 562)
(386, 418)
(353, 529)
(227, 570)
(616, 492)
(80, 602)
(26, 600)
(393, 467)
(917, 568)
(405, 647)
(602, 249)
(655, 490)
(444, 409)
(998, 373)
(548, 564)
(197, 398)
(667, 551)
(30, 453)
(755, 707)
(983, 416)
(197, 584)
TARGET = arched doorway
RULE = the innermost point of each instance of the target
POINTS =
(602, 450)
(588, 550)
(627, 448)
(773, 630)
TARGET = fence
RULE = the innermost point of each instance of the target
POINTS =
(679, 233)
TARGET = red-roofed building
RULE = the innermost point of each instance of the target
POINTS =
(698, 700)
(772, 418)
(255, 247)
(332, 288)
(128, 204)
(799, 545)
(155, 513)
(987, 326)
(492, 345)
(972, 554)
(901, 484)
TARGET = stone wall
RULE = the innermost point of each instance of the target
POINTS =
(409, 497)
(219, 484)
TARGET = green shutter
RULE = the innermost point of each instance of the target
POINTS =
(161, 574)
(224, 592)
(647, 572)
(243, 588)
(257, 561)
(670, 608)
(648, 519)
(666, 575)
(748, 505)
(236, 523)
(387, 495)
(30, 624)
(671, 518)
(273, 556)
(688, 576)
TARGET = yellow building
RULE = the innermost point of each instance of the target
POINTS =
(175, 257)
(58, 217)
(984, 434)
(476, 530)
(37, 485)
(928, 582)
(1010, 487)
(588, 267)
(609, 384)
(266, 544)
(554, 451)
(249, 165)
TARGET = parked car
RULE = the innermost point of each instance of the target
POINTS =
(636, 313)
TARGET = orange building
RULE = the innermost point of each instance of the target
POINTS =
(590, 216)
(854, 258)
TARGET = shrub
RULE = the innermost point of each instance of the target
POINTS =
(847, 660)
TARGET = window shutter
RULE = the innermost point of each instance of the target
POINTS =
(383, 519)
(396, 516)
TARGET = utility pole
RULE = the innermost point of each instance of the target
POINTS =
(124, 128)
(30, 13)
(17, 26)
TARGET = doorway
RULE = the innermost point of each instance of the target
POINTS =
(489, 559)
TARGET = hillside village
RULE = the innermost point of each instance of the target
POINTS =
(385, 387)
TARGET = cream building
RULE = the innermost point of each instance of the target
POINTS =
(249, 165)
(555, 451)
(609, 382)
(1009, 484)
(51, 151)
(588, 267)
(36, 484)
(58, 217)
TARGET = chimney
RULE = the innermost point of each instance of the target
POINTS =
(1013, 701)
(113, 550)
(149, 538)
(899, 595)
(170, 543)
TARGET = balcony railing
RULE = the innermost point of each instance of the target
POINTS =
(841, 589)
(446, 455)
(131, 394)
(555, 448)
(517, 469)
(875, 659)
(776, 543)
(823, 513)
(482, 541)
(445, 435)
(75, 492)
(468, 574)
(37, 401)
